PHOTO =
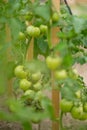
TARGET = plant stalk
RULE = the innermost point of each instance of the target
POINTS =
(61, 123)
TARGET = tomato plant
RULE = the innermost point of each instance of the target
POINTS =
(24, 21)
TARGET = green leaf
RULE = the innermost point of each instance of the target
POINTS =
(67, 60)
(47, 105)
(41, 46)
(43, 11)
(37, 65)
(81, 59)
(61, 46)
(70, 86)
(84, 41)
(61, 35)
(78, 24)
(67, 93)
(3, 83)
(16, 26)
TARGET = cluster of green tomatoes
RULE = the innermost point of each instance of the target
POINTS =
(31, 86)
(77, 109)
(54, 63)
(36, 31)
(33, 31)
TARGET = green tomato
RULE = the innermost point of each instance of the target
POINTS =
(12, 107)
(85, 106)
(36, 76)
(83, 116)
(30, 30)
(25, 84)
(75, 73)
(66, 105)
(61, 74)
(30, 94)
(78, 94)
(77, 112)
(36, 32)
(53, 62)
(29, 16)
(55, 17)
(21, 36)
(35, 121)
(43, 28)
(37, 86)
(19, 72)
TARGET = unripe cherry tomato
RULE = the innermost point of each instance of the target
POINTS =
(36, 32)
(53, 62)
(55, 17)
(77, 112)
(30, 30)
(25, 84)
(21, 36)
(37, 86)
(36, 76)
(30, 94)
(61, 74)
(66, 105)
(33, 31)
(78, 94)
(35, 120)
(29, 16)
(84, 116)
(43, 28)
(19, 72)
(75, 73)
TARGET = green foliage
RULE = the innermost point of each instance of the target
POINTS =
(41, 47)
(15, 17)
(43, 11)
(73, 29)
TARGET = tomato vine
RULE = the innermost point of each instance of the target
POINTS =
(26, 21)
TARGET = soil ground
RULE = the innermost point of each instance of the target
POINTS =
(69, 124)
(9, 126)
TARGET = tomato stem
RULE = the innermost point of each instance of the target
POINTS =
(39, 126)
(61, 124)
(49, 36)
